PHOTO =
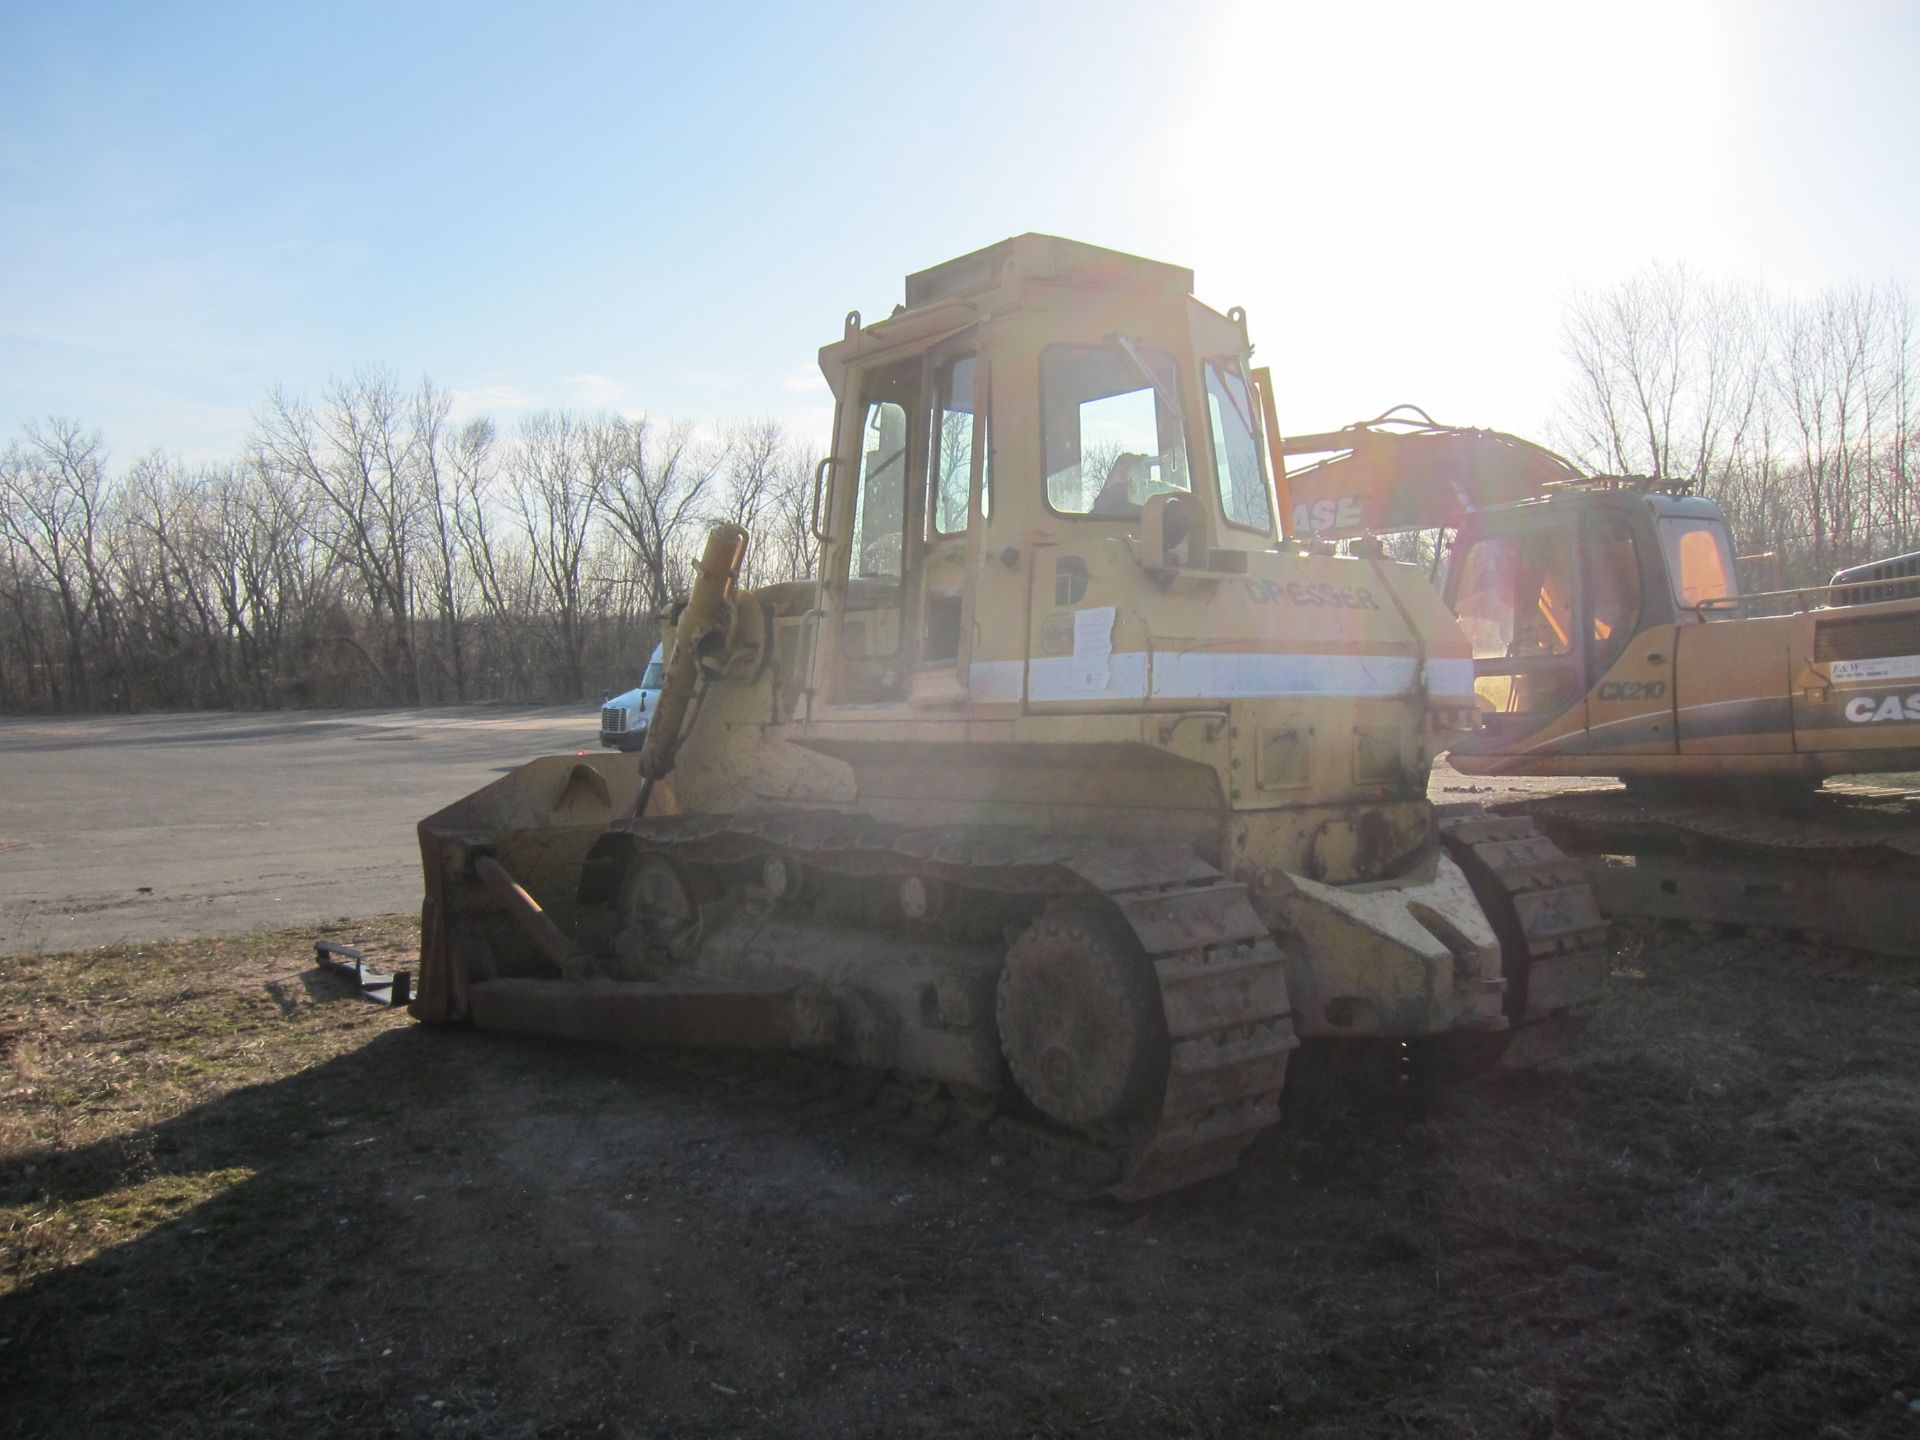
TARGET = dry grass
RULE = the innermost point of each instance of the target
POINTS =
(149, 1111)
(234, 1199)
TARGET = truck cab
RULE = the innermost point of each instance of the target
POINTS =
(624, 718)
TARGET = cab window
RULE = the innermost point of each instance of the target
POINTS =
(1236, 447)
(952, 448)
(1113, 428)
(879, 501)
(1700, 559)
(1515, 597)
(1515, 602)
(1613, 589)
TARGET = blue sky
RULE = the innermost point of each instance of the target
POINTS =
(669, 209)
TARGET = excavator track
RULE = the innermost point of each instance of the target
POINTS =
(1219, 974)
(1553, 938)
(1839, 867)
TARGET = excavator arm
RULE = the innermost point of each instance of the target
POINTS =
(1401, 471)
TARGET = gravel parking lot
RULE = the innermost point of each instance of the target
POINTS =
(152, 827)
(146, 827)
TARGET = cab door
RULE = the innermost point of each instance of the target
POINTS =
(956, 500)
(897, 585)
(1630, 663)
(1513, 591)
(875, 456)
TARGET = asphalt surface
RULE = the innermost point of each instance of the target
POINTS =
(157, 826)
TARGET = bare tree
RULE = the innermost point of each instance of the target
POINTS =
(558, 474)
(501, 578)
(175, 635)
(438, 455)
(272, 580)
(769, 489)
(52, 503)
(657, 496)
(368, 548)
(1668, 375)
(360, 453)
(1797, 416)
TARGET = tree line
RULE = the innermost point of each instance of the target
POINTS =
(368, 549)
(1800, 416)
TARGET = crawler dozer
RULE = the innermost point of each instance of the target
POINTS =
(1611, 638)
(1070, 792)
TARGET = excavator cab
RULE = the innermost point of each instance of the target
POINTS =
(1553, 594)
(1609, 629)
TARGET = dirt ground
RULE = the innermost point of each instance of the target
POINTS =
(235, 1199)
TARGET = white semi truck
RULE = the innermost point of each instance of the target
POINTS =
(624, 718)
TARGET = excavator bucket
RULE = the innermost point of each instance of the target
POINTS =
(528, 832)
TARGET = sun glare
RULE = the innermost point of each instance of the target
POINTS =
(1419, 183)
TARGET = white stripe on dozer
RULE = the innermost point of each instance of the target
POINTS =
(1201, 675)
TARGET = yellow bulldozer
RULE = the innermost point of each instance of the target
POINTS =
(1070, 792)
(1611, 637)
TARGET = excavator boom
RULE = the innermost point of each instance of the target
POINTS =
(1401, 471)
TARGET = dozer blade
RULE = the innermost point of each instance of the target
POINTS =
(537, 824)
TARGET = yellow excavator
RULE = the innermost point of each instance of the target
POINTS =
(1071, 795)
(1611, 637)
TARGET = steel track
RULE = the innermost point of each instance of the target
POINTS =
(1220, 975)
(1839, 868)
(1554, 943)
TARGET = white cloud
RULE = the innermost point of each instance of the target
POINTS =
(471, 400)
(594, 392)
(586, 393)
(807, 380)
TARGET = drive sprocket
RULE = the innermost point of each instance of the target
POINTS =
(1080, 1019)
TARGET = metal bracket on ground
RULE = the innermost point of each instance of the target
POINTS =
(394, 989)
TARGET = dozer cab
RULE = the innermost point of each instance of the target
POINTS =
(1069, 791)
(1611, 638)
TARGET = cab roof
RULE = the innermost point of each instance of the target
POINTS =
(945, 299)
(1044, 257)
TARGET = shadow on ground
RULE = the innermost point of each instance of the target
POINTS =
(1704, 1223)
